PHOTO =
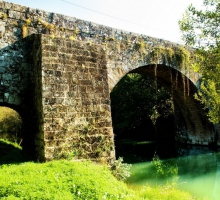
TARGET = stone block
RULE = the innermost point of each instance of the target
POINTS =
(2, 29)
(14, 14)
(7, 5)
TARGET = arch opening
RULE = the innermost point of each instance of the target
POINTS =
(158, 107)
(142, 116)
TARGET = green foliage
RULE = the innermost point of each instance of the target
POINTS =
(179, 56)
(136, 98)
(168, 192)
(165, 169)
(182, 57)
(200, 29)
(13, 144)
(11, 152)
(60, 180)
(119, 169)
(159, 51)
(10, 124)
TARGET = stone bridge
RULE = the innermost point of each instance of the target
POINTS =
(57, 72)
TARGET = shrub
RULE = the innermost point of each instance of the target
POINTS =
(120, 170)
(10, 124)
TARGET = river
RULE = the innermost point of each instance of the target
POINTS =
(195, 169)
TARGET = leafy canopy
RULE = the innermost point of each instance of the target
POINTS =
(137, 98)
(201, 29)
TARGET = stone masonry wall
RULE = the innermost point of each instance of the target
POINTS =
(75, 100)
(71, 104)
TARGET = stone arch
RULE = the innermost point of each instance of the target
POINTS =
(196, 128)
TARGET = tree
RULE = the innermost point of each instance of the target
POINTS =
(136, 101)
(201, 30)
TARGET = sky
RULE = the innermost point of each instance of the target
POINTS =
(155, 18)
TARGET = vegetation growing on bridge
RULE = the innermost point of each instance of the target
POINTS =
(177, 57)
(200, 29)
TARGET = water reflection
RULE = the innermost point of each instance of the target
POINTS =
(193, 169)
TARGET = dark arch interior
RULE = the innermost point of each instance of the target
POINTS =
(144, 133)
(142, 115)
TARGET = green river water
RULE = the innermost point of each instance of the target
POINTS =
(193, 169)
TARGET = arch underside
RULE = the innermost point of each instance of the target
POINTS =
(193, 126)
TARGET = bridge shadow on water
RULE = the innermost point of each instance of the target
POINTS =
(134, 151)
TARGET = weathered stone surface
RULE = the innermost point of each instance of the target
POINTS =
(2, 29)
(57, 72)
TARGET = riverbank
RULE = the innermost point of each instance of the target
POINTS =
(73, 180)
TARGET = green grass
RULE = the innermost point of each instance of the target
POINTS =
(168, 192)
(60, 180)
(68, 180)
(11, 153)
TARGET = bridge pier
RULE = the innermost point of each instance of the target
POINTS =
(72, 100)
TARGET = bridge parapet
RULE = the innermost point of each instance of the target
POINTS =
(125, 50)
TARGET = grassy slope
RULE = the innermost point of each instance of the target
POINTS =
(69, 180)
(60, 180)
(10, 153)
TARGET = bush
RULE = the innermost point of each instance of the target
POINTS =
(164, 168)
(120, 170)
(10, 124)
